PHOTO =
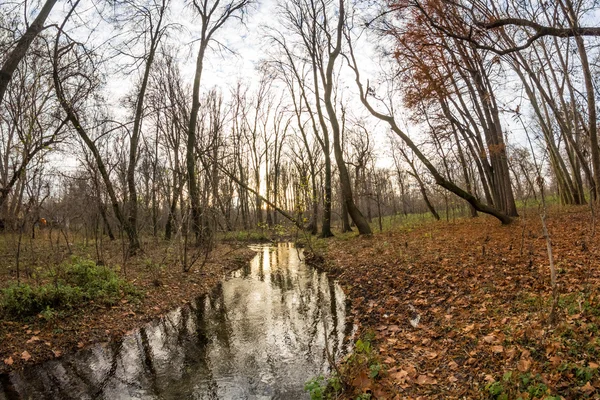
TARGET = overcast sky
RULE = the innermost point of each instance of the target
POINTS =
(248, 45)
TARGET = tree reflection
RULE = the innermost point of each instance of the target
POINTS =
(260, 333)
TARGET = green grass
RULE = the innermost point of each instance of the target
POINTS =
(69, 285)
(257, 235)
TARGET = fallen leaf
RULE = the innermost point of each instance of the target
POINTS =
(452, 365)
(57, 353)
(9, 361)
(452, 379)
(400, 376)
(80, 345)
(593, 365)
(523, 365)
(511, 352)
(490, 339)
(426, 380)
(551, 348)
(412, 371)
(497, 349)
(33, 339)
(25, 356)
(588, 388)
(362, 381)
(555, 361)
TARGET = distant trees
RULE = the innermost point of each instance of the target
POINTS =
(213, 15)
(457, 84)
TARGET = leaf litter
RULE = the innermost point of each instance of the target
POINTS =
(460, 309)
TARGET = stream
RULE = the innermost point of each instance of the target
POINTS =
(260, 334)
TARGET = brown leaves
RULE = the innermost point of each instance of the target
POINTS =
(403, 377)
(362, 381)
(484, 314)
(400, 376)
(33, 339)
(426, 380)
(490, 339)
(25, 356)
(524, 365)
(588, 388)
(9, 361)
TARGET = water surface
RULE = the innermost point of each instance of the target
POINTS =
(259, 335)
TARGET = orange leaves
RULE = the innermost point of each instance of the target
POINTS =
(9, 361)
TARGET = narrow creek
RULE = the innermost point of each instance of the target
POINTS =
(260, 334)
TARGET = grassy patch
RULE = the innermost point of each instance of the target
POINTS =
(70, 284)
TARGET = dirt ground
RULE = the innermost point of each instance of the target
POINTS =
(460, 310)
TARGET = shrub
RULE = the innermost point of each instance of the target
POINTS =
(73, 283)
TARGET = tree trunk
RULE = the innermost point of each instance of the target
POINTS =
(16, 55)
(357, 217)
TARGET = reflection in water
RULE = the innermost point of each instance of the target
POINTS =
(258, 335)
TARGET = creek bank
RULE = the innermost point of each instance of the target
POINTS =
(460, 310)
(261, 333)
(38, 340)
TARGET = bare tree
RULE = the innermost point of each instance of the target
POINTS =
(213, 15)
(15, 56)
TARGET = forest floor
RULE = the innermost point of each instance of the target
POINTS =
(479, 297)
(162, 282)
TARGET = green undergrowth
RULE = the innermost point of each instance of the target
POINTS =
(363, 363)
(526, 385)
(514, 385)
(569, 354)
(262, 233)
(68, 286)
